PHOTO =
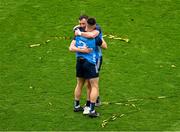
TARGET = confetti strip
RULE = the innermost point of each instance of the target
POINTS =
(116, 38)
(161, 97)
(34, 45)
(70, 38)
(126, 103)
(51, 39)
(124, 39)
(112, 118)
(173, 66)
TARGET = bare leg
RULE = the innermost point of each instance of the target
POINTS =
(78, 89)
(77, 94)
(88, 86)
(93, 96)
(94, 89)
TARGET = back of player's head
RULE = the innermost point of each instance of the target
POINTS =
(83, 17)
(91, 21)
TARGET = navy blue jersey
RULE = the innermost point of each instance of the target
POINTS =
(99, 42)
(98, 28)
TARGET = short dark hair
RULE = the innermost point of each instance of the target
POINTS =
(91, 21)
(83, 17)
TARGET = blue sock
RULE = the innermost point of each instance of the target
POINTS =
(92, 105)
(76, 103)
(88, 103)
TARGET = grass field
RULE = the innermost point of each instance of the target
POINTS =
(141, 78)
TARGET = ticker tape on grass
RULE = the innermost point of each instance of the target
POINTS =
(115, 37)
(113, 117)
(122, 104)
(128, 103)
(51, 38)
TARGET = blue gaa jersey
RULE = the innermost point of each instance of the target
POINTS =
(98, 42)
(90, 43)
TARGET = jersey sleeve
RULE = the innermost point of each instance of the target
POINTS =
(98, 28)
(98, 41)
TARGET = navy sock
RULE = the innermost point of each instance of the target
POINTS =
(98, 99)
(76, 103)
(88, 103)
(92, 105)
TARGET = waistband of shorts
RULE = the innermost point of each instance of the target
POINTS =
(80, 58)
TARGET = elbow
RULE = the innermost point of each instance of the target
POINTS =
(70, 49)
(104, 47)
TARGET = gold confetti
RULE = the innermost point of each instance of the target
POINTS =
(105, 103)
(104, 36)
(131, 100)
(48, 41)
(173, 66)
(121, 115)
(34, 45)
(161, 97)
(133, 105)
(113, 118)
(118, 103)
(111, 36)
(118, 38)
(126, 40)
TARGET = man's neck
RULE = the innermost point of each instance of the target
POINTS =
(89, 29)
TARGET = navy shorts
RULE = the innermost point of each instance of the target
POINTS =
(99, 63)
(85, 69)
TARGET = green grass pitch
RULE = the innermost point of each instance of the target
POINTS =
(140, 79)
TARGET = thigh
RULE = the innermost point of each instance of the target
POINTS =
(80, 82)
(94, 82)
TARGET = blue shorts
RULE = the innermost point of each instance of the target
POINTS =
(99, 63)
(85, 69)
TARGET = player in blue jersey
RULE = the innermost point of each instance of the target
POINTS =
(97, 34)
(86, 67)
(94, 33)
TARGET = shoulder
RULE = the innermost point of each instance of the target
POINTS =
(78, 27)
(98, 28)
(75, 27)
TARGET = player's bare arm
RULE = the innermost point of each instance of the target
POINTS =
(73, 48)
(91, 34)
(104, 44)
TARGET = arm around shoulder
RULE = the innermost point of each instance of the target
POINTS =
(92, 34)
